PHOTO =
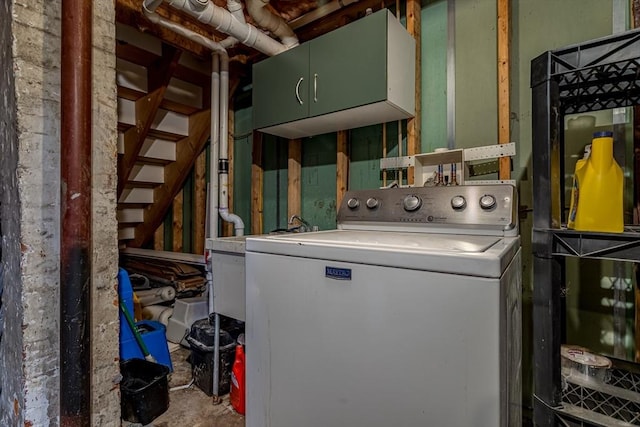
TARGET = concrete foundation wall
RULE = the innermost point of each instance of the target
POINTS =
(30, 171)
(11, 375)
(105, 322)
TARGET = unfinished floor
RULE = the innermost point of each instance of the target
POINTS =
(192, 407)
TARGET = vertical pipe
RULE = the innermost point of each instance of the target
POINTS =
(75, 259)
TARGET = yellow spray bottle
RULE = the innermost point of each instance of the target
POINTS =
(598, 189)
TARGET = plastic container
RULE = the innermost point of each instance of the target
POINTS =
(144, 390)
(581, 363)
(237, 395)
(153, 335)
(185, 312)
(125, 292)
(598, 189)
(202, 345)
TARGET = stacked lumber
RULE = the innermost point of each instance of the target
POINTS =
(182, 277)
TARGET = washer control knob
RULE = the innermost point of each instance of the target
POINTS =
(412, 203)
(487, 201)
(353, 203)
(372, 203)
(458, 202)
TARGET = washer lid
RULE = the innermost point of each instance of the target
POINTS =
(484, 256)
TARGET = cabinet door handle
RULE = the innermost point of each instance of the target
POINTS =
(315, 87)
(298, 90)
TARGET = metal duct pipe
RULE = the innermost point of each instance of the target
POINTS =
(75, 257)
(223, 21)
(274, 23)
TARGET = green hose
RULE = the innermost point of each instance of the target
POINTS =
(136, 333)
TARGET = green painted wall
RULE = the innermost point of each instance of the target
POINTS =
(318, 181)
(275, 183)
(242, 163)
(434, 76)
(476, 70)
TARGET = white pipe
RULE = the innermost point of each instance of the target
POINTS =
(235, 8)
(274, 23)
(223, 198)
(215, 144)
(182, 387)
(222, 20)
(149, 7)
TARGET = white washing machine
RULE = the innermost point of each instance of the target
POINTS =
(407, 315)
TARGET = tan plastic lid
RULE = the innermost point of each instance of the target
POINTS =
(583, 356)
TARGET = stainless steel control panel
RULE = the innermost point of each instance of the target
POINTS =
(491, 207)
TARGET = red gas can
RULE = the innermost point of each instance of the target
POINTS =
(237, 381)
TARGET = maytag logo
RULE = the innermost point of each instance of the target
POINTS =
(337, 273)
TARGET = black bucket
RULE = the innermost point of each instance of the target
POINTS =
(201, 341)
(144, 390)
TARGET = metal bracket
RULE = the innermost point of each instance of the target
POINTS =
(396, 162)
(490, 152)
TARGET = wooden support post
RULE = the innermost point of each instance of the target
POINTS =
(158, 239)
(294, 172)
(504, 109)
(178, 228)
(227, 228)
(200, 203)
(414, 128)
(257, 183)
(342, 166)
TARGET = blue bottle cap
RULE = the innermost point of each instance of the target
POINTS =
(603, 134)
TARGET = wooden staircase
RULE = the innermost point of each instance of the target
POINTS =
(164, 126)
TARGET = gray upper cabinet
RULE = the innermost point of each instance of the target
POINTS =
(358, 75)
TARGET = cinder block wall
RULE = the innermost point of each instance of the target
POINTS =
(30, 174)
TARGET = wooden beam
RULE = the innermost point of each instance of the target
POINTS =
(187, 150)
(200, 210)
(342, 166)
(177, 226)
(414, 125)
(145, 111)
(227, 228)
(294, 173)
(158, 238)
(257, 183)
(129, 12)
(504, 109)
(338, 18)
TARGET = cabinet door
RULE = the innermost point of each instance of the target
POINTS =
(349, 66)
(281, 88)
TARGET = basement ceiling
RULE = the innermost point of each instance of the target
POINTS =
(308, 18)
